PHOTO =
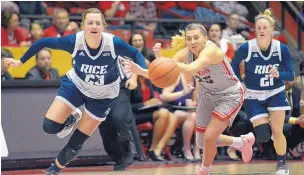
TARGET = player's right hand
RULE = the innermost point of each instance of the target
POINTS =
(156, 50)
(8, 62)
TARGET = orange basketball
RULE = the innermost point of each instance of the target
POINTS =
(163, 72)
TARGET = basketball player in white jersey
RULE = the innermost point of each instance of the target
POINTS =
(220, 92)
(93, 81)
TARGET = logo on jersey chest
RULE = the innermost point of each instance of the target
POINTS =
(263, 69)
(204, 72)
(93, 69)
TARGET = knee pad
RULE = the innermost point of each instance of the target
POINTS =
(263, 132)
(51, 127)
(72, 148)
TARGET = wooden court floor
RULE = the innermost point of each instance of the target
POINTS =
(220, 168)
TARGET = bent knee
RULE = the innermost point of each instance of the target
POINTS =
(51, 127)
(193, 116)
(163, 112)
(209, 138)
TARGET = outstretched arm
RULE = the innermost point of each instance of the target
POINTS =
(208, 56)
(66, 43)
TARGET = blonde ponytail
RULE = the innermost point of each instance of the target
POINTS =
(266, 15)
(267, 12)
(178, 41)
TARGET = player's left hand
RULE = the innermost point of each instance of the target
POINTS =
(273, 73)
(131, 84)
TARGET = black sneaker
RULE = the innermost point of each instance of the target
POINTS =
(70, 123)
(52, 170)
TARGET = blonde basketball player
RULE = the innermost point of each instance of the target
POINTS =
(220, 92)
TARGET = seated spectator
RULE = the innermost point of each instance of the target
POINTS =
(138, 41)
(231, 33)
(144, 10)
(184, 93)
(36, 32)
(215, 35)
(60, 25)
(5, 75)
(116, 9)
(43, 69)
(11, 34)
(164, 121)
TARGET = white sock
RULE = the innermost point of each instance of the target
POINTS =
(205, 169)
(237, 142)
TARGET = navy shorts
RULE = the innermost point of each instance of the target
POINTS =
(256, 109)
(70, 95)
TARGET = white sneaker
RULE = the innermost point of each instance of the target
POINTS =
(282, 170)
(75, 117)
(246, 150)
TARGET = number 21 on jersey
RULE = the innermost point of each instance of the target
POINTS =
(266, 81)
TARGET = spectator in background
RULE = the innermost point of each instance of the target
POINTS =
(138, 41)
(11, 34)
(43, 69)
(215, 35)
(60, 25)
(5, 75)
(183, 93)
(156, 112)
(116, 9)
(231, 33)
(36, 31)
(144, 10)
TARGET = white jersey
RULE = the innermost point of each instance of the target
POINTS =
(218, 78)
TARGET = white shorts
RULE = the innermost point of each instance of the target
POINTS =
(224, 106)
